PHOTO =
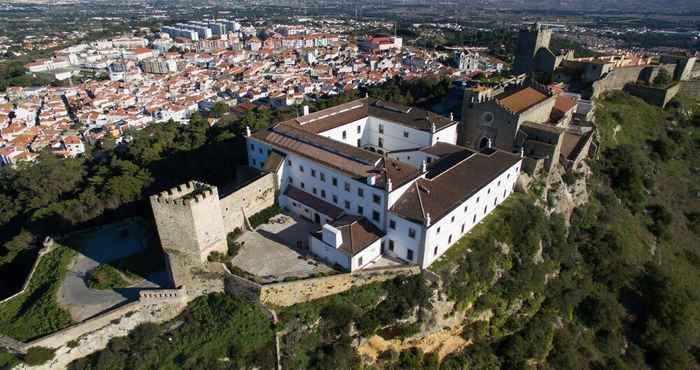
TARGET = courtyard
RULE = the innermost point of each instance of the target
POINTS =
(278, 251)
(119, 245)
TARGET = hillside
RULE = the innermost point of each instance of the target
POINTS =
(612, 285)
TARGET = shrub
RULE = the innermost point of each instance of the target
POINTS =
(105, 277)
(38, 356)
(264, 216)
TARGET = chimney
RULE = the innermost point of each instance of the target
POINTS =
(331, 235)
(432, 127)
(389, 185)
(452, 117)
(247, 131)
(423, 167)
(522, 152)
(489, 143)
(427, 220)
(306, 110)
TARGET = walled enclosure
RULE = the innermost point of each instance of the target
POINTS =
(193, 221)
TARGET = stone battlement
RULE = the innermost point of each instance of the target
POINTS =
(184, 194)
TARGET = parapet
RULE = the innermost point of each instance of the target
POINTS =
(184, 194)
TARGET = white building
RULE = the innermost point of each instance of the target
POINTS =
(381, 178)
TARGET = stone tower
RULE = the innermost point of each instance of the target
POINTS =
(530, 40)
(190, 226)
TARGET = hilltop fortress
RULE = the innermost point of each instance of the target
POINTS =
(593, 76)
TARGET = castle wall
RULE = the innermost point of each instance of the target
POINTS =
(690, 88)
(251, 199)
(290, 293)
(617, 79)
(654, 95)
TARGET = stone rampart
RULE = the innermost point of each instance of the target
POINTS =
(654, 95)
(690, 88)
(248, 199)
(290, 293)
(44, 250)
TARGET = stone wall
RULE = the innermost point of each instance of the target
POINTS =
(617, 79)
(290, 293)
(690, 88)
(44, 250)
(654, 95)
(247, 200)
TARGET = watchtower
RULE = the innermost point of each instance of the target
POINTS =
(530, 40)
(190, 226)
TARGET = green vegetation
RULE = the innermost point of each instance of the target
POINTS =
(318, 332)
(35, 312)
(264, 216)
(38, 356)
(7, 360)
(105, 277)
(215, 332)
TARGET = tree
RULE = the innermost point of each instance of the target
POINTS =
(663, 78)
(219, 109)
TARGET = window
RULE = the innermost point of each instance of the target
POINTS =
(405, 133)
(335, 199)
(301, 168)
(435, 251)
(290, 179)
(359, 261)
(488, 191)
(381, 128)
(322, 176)
(409, 254)
(408, 157)
(347, 186)
(376, 198)
(499, 182)
(347, 204)
(323, 194)
(392, 224)
(359, 143)
(345, 135)
(375, 216)
(449, 240)
(335, 181)
(411, 233)
(313, 173)
(391, 245)
(360, 210)
(453, 219)
(359, 129)
(289, 162)
(294, 204)
(302, 185)
(380, 142)
(504, 193)
(260, 150)
(485, 208)
(462, 228)
(314, 190)
(465, 209)
(438, 230)
(494, 201)
(429, 159)
(477, 199)
(360, 192)
(508, 176)
(474, 219)
(254, 163)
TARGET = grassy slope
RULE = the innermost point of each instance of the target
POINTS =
(676, 185)
(35, 312)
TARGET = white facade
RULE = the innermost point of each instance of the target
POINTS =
(414, 242)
